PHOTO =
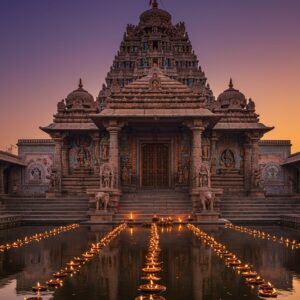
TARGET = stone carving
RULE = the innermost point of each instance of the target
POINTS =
(102, 201)
(55, 180)
(81, 152)
(227, 159)
(202, 177)
(207, 199)
(251, 105)
(107, 176)
(126, 175)
(183, 174)
(155, 82)
(104, 148)
(256, 178)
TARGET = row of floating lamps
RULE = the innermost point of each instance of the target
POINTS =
(73, 266)
(151, 288)
(293, 244)
(265, 289)
(37, 237)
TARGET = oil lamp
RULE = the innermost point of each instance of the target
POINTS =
(150, 297)
(54, 282)
(61, 274)
(39, 288)
(152, 288)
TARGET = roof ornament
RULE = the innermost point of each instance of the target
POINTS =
(230, 84)
(80, 85)
(153, 3)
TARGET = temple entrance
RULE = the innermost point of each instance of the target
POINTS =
(155, 165)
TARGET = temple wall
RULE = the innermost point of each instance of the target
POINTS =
(276, 179)
(38, 156)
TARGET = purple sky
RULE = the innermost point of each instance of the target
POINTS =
(46, 45)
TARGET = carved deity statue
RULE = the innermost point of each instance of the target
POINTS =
(227, 159)
(107, 177)
(104, 152)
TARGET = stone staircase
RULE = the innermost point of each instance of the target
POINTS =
(231, 181)
(254, 209)
(144, 204)
(77, 184)
(47, 211)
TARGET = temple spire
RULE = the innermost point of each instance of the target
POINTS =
(153, 3)
(230, 83)
(80, 85)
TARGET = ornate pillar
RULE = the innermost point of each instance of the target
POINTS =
(214, 140)
(58, 153)
(197, 129)
(114, 128)
(247, 167)
(65, 160)
(96, 141)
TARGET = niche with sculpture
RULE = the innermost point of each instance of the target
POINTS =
(80, 154)
(107, 177)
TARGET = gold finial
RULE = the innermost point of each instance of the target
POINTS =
(80, 85)
(230, 83)
(153, 3)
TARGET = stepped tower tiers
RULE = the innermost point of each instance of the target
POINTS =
(156, 125)
(155, 41)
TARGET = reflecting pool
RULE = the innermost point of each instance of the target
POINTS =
(191, 269)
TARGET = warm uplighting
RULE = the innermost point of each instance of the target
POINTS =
(251, 276)
(75, 264)
(37, 237)
(293, 244)
(153, 265)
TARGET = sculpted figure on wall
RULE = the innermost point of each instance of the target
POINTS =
(202, 177)
(227, 159)
(55, 180)
(107, 176)
(126, 175)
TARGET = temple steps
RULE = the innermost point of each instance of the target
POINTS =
(247, 209)
(47, 211)
(77, 184)
(144, 204)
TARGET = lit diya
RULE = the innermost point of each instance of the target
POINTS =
(61, 274)
(151, 269)
(249, 274)
(153, 263)
(268, 293)
(70, 270)
(255, 280)
(39, 288)
(149, 297)
(79, 259)
(72, 264)
(87, 255)
(243, 268)
(150, 277)
(152, 288)
(54, 282)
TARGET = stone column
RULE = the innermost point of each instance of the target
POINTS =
(1, 179)
(58, 154)
(114, 149)
(247, 167)
(214, 140)
(197, 129)
(255, 155)
(96, 140)
(65, 160)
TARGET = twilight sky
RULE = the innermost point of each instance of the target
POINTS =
(46, 45)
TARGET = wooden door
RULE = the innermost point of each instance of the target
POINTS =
(155, 165)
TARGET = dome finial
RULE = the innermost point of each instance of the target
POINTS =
(80, 85)
(230, 83)
(153, 3)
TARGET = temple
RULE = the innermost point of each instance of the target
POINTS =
(157, 129)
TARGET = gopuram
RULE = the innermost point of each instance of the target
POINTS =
(156, 126)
